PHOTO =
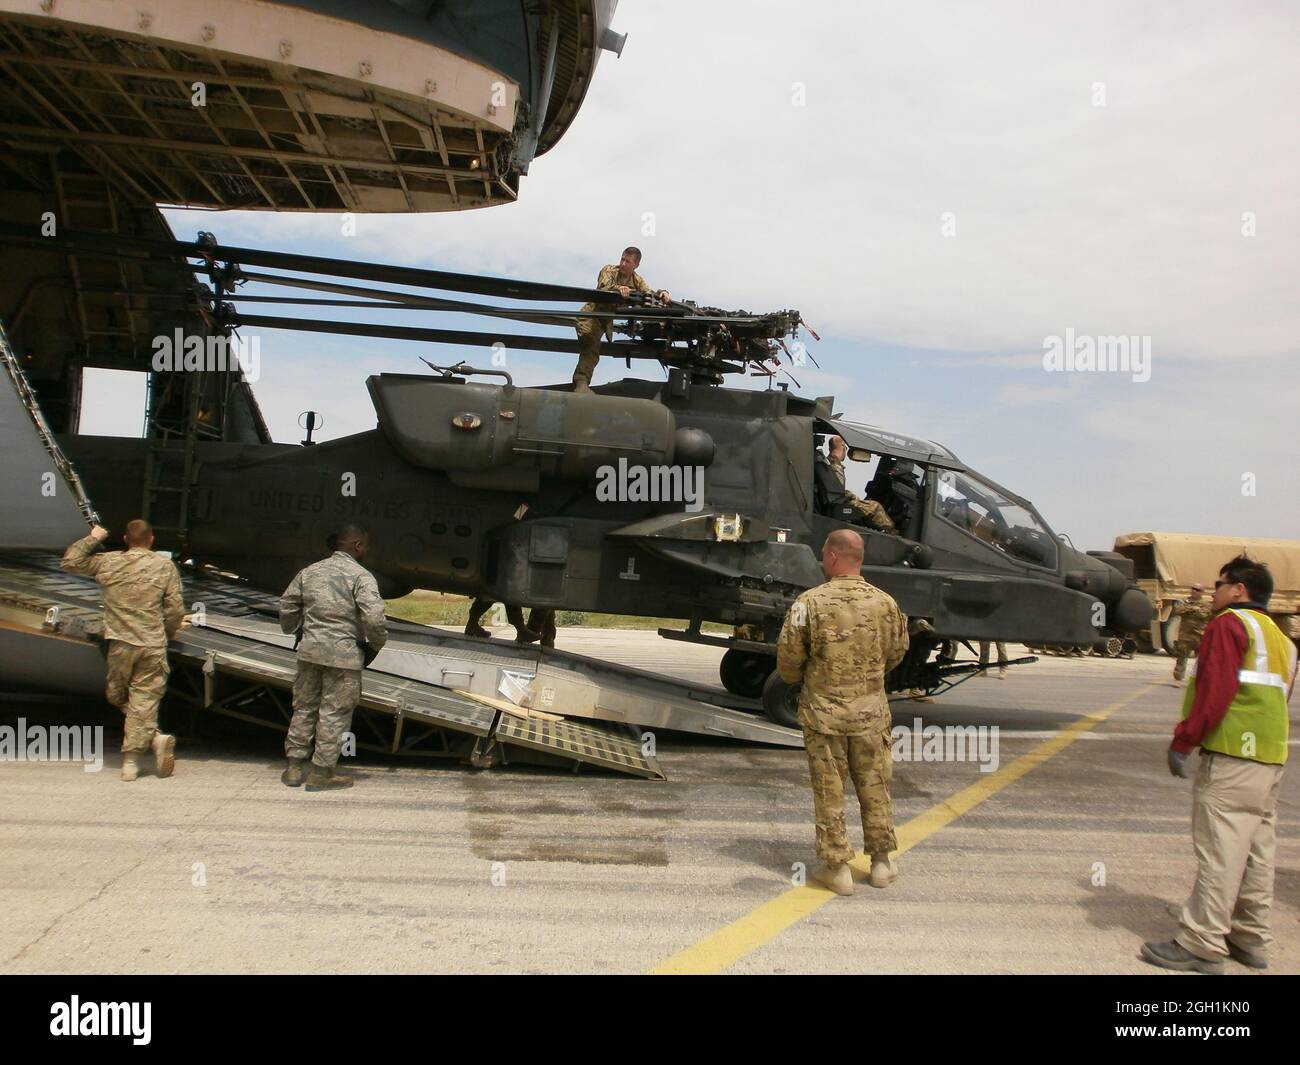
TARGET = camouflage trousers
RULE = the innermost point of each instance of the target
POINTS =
(137, 679)
(867, 760)
(1183, 650)
(588, 355)
(873, 514)
(323, 700)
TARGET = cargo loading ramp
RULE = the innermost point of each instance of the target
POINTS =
(421, 718)
(51, 620)
(570, 685)
(548, 680)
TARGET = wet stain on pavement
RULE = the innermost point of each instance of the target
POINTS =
(603, 828)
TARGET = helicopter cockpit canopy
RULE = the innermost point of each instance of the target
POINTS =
(984, 511)
(897, 481)
(868, 438)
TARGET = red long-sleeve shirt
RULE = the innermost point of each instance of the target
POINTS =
(1218, 659)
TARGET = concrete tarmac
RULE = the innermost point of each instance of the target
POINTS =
(1062, 862)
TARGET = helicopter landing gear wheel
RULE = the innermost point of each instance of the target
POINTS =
(781, 701)
(743, 672)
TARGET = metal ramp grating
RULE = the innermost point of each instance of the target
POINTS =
(616, 747)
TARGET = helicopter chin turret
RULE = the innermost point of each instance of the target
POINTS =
(1132, 611)
(1109, 577)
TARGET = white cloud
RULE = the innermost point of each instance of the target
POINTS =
(1117, 219)
(1026, 361)
(1018, 394)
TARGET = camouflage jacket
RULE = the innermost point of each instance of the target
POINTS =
(840, 639)
(143, 605)
(608, 280)
(1194, 615)
(838, 467)
(875, 514)
(336, 602)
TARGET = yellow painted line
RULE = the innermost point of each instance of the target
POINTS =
(746, 934)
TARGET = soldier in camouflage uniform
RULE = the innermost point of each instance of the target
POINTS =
(624, 280)
(840, 639)
(143, 609)
(1290, 626)
(1194, 615)
(335, 604)
(871, 512)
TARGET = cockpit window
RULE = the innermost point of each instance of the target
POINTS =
(888, 442)
(983, 512)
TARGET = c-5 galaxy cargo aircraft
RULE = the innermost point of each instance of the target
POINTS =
(684, 498)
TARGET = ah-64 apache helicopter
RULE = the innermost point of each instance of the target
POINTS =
(471, 484)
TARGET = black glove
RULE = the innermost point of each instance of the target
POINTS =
(1179, 763)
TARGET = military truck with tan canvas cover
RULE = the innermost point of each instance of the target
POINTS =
(1165, 565)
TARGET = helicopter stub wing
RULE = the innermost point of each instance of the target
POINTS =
(680, 536)
(728, 546)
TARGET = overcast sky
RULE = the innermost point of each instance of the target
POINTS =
(1098, 168)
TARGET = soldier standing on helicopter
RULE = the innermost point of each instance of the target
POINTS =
(624, 280)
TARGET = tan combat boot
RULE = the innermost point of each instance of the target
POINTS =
(835, 876)
(323, 778)
(883, 871)
(293, 776)
(130, 765)
(164, 753)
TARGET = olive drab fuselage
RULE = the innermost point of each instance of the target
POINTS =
(504, 492)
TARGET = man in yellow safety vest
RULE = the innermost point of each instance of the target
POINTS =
(1235, 710)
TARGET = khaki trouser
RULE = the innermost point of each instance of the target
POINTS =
(137, 679)
(588, 355)
(323, 700)
(1002, 653)
(867, 760)
(1234, 822)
